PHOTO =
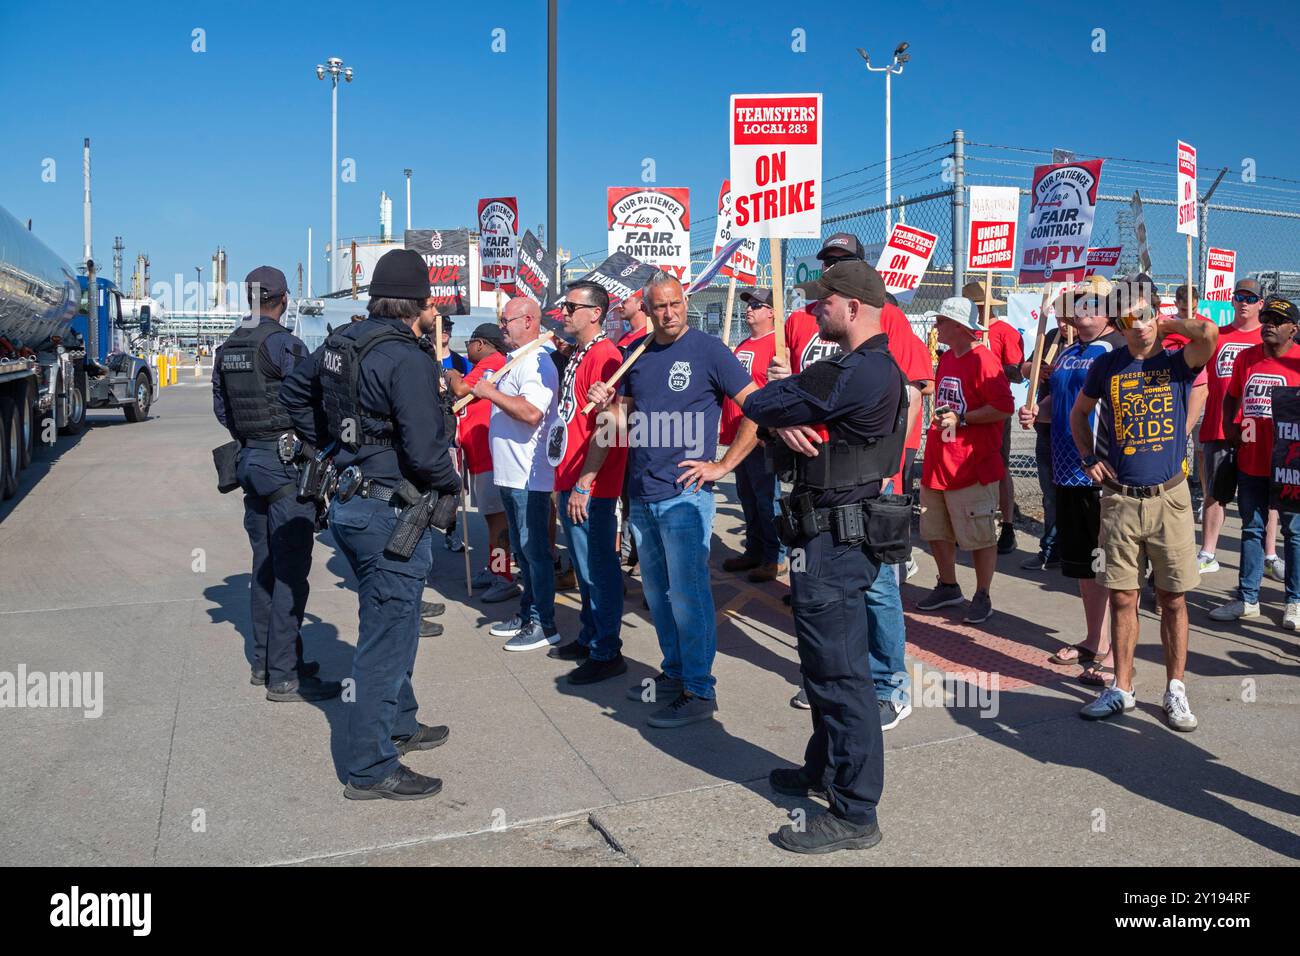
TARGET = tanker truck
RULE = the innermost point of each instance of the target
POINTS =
(48, 375)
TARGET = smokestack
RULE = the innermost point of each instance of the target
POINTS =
(385, 217)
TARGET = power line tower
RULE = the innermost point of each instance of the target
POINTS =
(1126, 228)
(118, 246)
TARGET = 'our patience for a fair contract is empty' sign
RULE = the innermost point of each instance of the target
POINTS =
(776, 165)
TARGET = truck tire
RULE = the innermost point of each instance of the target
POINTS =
(27, 422)
(75, 406)
(10, 461)
(138, 409)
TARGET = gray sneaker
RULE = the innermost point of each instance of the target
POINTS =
(943, 595)
(507, 628)
(686, 709)
(530, 638)
(662, 688)
(981, 607)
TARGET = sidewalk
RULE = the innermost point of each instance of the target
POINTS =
(146, 581)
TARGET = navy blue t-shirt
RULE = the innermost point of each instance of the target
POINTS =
(678, 391)
(1142, 413)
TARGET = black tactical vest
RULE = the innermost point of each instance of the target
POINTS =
(340, 371)
(252, 386)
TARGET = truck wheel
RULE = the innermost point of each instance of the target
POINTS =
(27, 424)
(10, 461)
(138, 410)
(75, 406)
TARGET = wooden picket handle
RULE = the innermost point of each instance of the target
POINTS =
(627, 362)
(778, 297)
(1037, 369)
(726, 318)
(461, 403)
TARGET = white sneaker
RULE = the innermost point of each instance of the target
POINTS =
(1177, 710)
(1234, 610)
(500, 590)
(1291, 618)
(912, 569)
(482, 578)
(1206, 563)
(1275, 568)
(1112, 701)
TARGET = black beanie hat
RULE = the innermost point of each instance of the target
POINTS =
(400, 274)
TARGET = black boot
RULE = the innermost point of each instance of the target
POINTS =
(402, 784)
(826, 833)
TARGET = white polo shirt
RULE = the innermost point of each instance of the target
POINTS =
(519, 450)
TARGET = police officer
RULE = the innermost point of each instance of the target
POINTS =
(858, 396)
(249, 370)
(377, 390)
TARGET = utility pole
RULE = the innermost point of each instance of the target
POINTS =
(551, 25)
(92, 287)
(1202, 232)
(901, 56)
(408, 197)
(958, 211)
(335, 68)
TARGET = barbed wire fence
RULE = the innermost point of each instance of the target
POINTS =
(1255, 214)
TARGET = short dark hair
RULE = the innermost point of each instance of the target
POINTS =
(599, 296)
(1182, 290)
(385, 308)
(265, 301)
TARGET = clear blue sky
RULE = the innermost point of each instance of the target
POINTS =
(231, 146)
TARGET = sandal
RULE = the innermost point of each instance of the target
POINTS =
(1097, 675)
(1081, 656)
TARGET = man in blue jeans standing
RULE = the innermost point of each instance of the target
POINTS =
(523, 412)
(589, 479)
(671, 406)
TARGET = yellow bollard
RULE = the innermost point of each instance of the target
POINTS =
(172, 361)
(162, 371)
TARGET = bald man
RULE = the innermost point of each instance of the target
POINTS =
(523, 414)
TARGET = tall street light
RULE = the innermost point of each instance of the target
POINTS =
(335, 68)
(900, 57)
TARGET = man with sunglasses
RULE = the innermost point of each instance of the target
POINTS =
(1248, 424)
(1244, 333)
(1137, 454)
(523, 412)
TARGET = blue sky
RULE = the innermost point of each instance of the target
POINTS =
(231, 146)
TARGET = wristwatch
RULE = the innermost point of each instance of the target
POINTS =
(1088, 461)
(961, 420)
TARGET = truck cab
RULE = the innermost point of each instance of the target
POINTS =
(115, 376)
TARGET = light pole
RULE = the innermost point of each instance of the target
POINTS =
(335, 68)
(408, 197)
(900, 57)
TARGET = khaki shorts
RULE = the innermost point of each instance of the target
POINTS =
(484, 494)
(968, 517)
(1160, 529)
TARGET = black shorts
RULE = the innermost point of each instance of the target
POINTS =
(1078, 527)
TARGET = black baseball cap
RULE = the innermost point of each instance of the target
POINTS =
(490, 332)
(842, 243)
(269, 280)
(757, 296)
(1283, 308)
(852, 278)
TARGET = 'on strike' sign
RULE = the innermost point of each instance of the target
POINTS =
(776, 165)
(904, 259)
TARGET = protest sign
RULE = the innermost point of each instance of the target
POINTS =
(498, 224)
(991, 237)
(776, 165)
(621, 276)
(1284, 489)
(1062, 205)
(1187, 189)
(652, 225)
(1220, 274)
(446, 253)
(1140, 230)
(743, 264)
(1102, 260)
(904, 259)
(535, 270)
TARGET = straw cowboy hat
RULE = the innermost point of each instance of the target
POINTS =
(975, 292)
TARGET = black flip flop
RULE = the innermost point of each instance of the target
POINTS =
(1085, 656)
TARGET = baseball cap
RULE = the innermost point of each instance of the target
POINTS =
(842, 242)
(269, 280)
(1284, 309)
(489, 332)
(757, 296)
(960, 310)
(853, 278)
(1249, 285)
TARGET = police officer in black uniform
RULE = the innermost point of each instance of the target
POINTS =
(845, 529)
(249, 371)
(377, 391)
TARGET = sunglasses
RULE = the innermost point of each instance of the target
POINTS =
(1246, 298)
(571, 307)
(1143, 316)
(1273, 318)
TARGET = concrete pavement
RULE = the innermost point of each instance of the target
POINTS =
(120, 557)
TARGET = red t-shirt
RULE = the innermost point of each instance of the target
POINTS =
(1006, 344)
(472, 422)
(974, 454)
(598, 365)
(633, 337)
(1218, 373)
(756, 355)
(1175, 341)
(1254, 376)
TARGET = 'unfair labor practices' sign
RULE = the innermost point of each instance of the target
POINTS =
(904, 259)
(498, 226)
(652, 225)
(446, 253)
(1187, 189)
(776, 165)
(1220, 274)
(743, 264)
(1062, 205)
(991, 240)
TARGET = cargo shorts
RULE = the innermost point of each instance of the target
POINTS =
(1160, 529)
(968, 517)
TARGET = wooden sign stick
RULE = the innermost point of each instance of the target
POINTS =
(464, 530)
(778, 298)
(1189, 278)
(627, 362)
(461, 403)
(726, 316)
(1036, 371)
(988, 305)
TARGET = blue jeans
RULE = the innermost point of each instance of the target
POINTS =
(1046, 484)
(887, 632)
(600, 582)
(1252, 502)
(528, 517)
(757, 488)
(672, 541)
(389, 635)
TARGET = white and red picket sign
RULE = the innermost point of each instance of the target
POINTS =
(743, 264)
(776, 165)
(1102, 260)
(904, 259)
(1187, 224)
(991, 238)
(1220, 274)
